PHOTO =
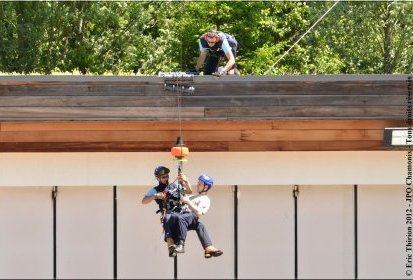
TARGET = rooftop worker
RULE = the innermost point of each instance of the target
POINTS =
(212, 46)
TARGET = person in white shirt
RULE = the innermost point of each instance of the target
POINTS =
(194, 207)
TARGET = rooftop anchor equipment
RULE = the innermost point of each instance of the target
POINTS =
(178, 81)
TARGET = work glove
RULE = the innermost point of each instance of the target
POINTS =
(220, 73)
(160, 195)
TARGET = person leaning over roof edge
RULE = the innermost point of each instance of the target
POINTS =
(212, 46)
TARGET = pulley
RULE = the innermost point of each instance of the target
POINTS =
(180, 82)
(179, 88)
(179, 151)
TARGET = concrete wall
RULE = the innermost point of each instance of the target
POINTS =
(265, 224)
(250, 168)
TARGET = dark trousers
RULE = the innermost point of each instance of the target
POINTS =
(212, 61)
(177, 225)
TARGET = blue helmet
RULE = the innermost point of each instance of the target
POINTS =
(161, 170)
(206, 180)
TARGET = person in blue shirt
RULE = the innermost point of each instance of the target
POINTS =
(212, 46)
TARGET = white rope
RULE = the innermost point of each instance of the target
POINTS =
(180, 92)
(293, 45)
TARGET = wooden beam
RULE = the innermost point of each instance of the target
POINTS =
(246, 113)
(197, 125)
(133, 125)
(192, 135)
(201, 101)
(308, 112)
(193, 146)
(306, 146)
(96, 113)
(314, 87)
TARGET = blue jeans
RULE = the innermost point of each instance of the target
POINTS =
(176, 226)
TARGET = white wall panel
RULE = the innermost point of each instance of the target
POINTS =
(85, 215)
(325, 232)
(382, 232)
(142, 253)
(219, 223)
(85, 232)
(266, 232)
(131, 169)
(26, 233)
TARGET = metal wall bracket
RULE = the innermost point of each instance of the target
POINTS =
(296, 190)
(54, 192)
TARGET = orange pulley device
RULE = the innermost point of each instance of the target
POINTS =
(179, 151)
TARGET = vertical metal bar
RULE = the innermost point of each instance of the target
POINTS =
(236, 232)
(355, 232)
(176, 267)
(115, 233)
(295, 195)
(54, 198)
(179, 140)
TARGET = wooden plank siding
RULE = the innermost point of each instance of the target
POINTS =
(243, 113)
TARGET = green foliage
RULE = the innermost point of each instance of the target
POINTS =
(144, 38)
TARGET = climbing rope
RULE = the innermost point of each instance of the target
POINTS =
(180, 82)
(299, 39)
(179, 105)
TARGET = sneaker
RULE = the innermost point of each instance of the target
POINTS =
(171, 250)
(180, 247)
(216, 253)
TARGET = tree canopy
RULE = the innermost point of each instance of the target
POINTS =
(129, 37)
